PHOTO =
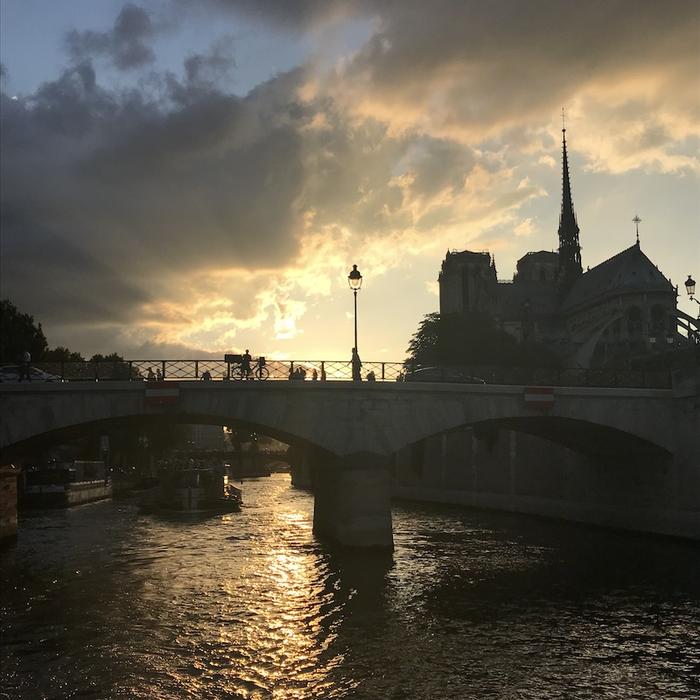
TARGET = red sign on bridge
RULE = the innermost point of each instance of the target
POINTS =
(161, 393)
(541, 397)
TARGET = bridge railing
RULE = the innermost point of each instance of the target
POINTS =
(341, 370)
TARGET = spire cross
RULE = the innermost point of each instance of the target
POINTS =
(637, 221)
(563, 118)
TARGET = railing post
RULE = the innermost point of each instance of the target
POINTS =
(196, 369)
(163, 368)
(323, 370)
(228, 370)
(382, 370)
(63, 371)
(131, 370)
(291, 370)
(97, 370)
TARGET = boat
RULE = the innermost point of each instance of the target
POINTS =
(193, 491)
(65, 485)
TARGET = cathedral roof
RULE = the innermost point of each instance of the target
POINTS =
(541, 298)
(628, 271)
(544, 256)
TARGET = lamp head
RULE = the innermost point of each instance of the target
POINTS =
(690, 286)
(355, 279)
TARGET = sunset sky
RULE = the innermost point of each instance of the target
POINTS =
(181, 179)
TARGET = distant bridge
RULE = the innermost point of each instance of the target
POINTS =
(356, 426)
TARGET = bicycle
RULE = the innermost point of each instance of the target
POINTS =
(258, 371)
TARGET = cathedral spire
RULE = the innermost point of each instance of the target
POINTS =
(569, 248)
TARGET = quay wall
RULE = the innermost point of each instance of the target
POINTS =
(512, 471)
(8, 502)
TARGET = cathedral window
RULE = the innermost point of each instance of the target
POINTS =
(634, 321)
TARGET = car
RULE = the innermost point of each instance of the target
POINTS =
(10, 374)
(458, 375)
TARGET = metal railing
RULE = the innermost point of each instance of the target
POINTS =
(341, 370)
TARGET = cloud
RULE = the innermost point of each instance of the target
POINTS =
(214, 67)
(193, 214)
(525, 227)
(297, 16)
(186, 215)
(125, 45)
(472, 71)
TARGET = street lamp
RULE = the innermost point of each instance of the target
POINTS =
(355, 282)
(690, 288)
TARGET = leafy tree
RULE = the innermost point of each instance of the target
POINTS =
(472, 339)
(19, 333)
(112, 357)
(62, 354)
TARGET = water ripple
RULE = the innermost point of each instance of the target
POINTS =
(102, 602)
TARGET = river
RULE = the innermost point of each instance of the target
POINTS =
(101, 601)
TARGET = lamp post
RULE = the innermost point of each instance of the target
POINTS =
(355, 282)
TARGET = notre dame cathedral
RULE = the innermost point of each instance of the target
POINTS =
(621, 310)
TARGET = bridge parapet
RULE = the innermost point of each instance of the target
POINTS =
(341, 370)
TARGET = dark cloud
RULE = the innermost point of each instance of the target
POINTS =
(295, 15)
(486, 65)
(125, 45)
(103, 190)
(482, 66)
(110, 197)
(213, 67)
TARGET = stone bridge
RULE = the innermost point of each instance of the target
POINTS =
(354, 428)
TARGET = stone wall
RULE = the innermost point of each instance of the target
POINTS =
(8, 502)
(505, 470)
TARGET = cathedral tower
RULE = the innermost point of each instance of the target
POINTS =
(569, 249)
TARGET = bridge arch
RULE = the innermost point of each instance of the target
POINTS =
(583, 436)
(35, 443)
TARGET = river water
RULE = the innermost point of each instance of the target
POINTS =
(103, 602)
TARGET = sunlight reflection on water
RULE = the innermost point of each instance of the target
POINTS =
(107, 603)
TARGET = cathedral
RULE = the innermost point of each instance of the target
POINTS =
(621, 310)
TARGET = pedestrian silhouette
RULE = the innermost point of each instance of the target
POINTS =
(24, 367)
(245, 363)
(159, 375)
(356, 366)
(151, 377)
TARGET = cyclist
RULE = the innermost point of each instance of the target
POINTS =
(260, 367)
(245, 364)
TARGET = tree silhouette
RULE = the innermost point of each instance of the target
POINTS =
(472, 339)
(19, 333)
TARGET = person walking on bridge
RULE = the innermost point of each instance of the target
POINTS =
(24, 362)
(356, 366)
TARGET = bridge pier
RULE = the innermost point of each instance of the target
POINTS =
(352, 505)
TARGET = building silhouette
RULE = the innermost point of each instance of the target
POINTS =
(620, 310)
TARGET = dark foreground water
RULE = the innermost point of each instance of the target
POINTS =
(102, 602)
